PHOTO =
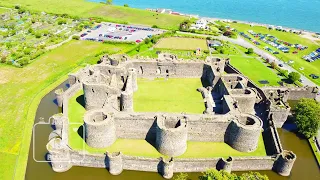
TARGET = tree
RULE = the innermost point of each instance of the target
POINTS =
(126, 5)
(4, 58)
(307, 117)
(273, 65)
(109, 2)
(250, 51)
(155, 26)
(294, 76)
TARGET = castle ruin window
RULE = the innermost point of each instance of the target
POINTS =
(141, 70)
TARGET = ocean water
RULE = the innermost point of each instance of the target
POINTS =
(300, 14)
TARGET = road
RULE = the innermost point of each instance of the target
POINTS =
(242, 42)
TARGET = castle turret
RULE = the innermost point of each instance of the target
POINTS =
(59, 96)
(59, 155)
(114, 163)
(133, 73)
(167, 168)
(171, 135)
(57, 121)
(126, 101)
(226, 164)
(99, 129)
(244, 133)
(284, 163)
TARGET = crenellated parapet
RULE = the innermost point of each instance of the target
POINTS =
(171, 135)
(243, 133)
(99, 127)
(59, 155)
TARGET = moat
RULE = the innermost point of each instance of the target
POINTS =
(305, 166)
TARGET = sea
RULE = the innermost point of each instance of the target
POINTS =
(298, 14)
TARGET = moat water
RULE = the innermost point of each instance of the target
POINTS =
(305, 166)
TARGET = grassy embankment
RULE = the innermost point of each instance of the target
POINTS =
(21, 92)
(309, 68)
(169, 96)
(82, 8)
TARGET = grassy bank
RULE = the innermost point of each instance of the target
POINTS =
(314, 150)
(21, 86)
(82, 8)
(255, 70)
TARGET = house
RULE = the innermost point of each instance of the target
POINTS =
(201, 23)
(214, 43)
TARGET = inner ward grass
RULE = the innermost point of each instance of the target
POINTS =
(142, 148)
(172, 95)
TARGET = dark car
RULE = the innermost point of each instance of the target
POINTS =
(280, 65)
(314, 76)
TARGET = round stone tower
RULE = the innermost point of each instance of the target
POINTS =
(244, 133)
(59, 96)
(171, 135)
(126, 101)
(285, 163)
(100, 130)
(59, 155)
(167, 168)
(226, 164)
(114, 161)
(57, 121)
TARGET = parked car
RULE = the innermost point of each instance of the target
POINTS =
(280, 65)
(314, 76)
(138, 41)
(276, 52)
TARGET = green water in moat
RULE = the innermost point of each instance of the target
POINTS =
(305, 166)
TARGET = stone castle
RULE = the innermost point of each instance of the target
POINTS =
(236, 112)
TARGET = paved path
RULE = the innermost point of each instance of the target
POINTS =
(242, 42)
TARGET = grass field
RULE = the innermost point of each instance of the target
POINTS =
(182, 43)
(172, 95)
(83, 8)
(309, 68)
(255, 70)
(143, 148)
(19, 87)
(3, 10)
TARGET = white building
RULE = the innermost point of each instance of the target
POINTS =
(201, 23)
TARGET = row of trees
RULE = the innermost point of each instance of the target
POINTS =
(213, 174)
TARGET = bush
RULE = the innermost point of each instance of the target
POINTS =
(208, 38)
(76, 37)
(38, 35)
(17, 7)
(294, 76)
(126, 5)
(24, 61)
(61, 21)
(250, 51)
(155, 26)
(307, 117)
(21, 11)
(147, 41)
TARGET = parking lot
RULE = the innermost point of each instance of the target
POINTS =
(119, 32)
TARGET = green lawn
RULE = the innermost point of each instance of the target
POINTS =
(3, 10)
(182, 43)
(255, 70)
(309, 68)
(22, 89)
(172, 95)
(83, 8)
(136, 147)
